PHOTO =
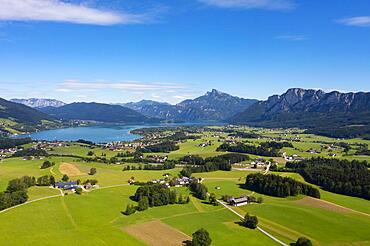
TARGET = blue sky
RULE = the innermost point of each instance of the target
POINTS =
(169, 50)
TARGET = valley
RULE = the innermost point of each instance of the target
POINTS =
(95, 217)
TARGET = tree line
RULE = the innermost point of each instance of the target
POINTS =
(339, 176)
(199, 190)
(30, 152)
(260, 150)
(275, 185)
(16, 191)
(197, 164)
(7, 143)
(164, 147)
(164, 166)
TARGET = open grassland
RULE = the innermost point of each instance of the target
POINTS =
(16, 168)
(82, 150)
(354, 203)
(38, 192)
(193, 147)
(289, 218)
(95, 218)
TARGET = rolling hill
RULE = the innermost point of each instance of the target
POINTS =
(15, 117)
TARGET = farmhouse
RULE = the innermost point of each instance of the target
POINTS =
(66, 185)
(243, 200)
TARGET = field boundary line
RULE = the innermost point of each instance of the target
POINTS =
(68, 214)
(259, 228)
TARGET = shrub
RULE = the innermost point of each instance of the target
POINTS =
(92, 171)
(130, 209)
(47, 164)
(201, 238)
(143, 204)
(78, 191)
(65, 178)
(250, 221)
(302, 241)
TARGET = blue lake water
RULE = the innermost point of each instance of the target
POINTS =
(97, 134)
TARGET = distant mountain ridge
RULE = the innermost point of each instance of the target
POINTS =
(213, 106)
(39, 102)
(313, 109)
(96, 112)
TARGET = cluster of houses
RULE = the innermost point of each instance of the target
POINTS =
(156, 158)
(176, 182)
(5, 152)
(207, 143)
(313, 151)
(260, 163)
(45, 145)
(72, 185)
(293, 157)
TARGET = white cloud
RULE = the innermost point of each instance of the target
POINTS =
(361, 21)
(59, 11)
(252, 4)
(63, 90)
(126, 85)
(292, 37)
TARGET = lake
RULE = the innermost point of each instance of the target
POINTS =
(98, 133)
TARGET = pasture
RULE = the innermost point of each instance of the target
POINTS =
(95, 217)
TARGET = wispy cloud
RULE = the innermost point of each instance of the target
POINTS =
(62, 11)
(361, 21)
(73, 85)
(292, 37)
(252, 4)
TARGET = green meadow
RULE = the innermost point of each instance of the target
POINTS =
(95, 218)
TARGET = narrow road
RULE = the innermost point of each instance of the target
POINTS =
(258, 228)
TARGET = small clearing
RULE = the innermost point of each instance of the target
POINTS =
(70, 169)
(156, 233)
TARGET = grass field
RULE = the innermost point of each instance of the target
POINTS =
(95, 217)
(288, 218)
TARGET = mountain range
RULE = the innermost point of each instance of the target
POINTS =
(39, 102)
(311, 109)
(213, 106)
(333, 113)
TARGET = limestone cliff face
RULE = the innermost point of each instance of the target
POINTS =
(299, 102)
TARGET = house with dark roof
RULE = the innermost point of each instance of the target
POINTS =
(66, 185)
